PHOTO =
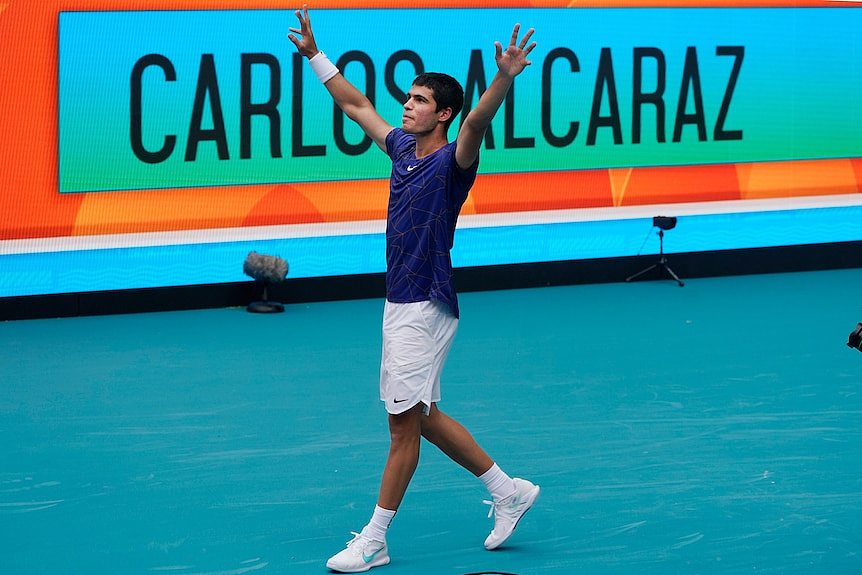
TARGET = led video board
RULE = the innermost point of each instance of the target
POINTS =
(158, 147)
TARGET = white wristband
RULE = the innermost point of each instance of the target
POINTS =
(321, 66)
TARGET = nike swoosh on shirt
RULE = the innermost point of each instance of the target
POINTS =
(411, 168)
(398, 400)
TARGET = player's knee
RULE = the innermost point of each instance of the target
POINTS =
(404, 439)
(405, 428)
(428, 431)
(430, 425)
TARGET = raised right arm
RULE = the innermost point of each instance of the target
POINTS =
(351, 101)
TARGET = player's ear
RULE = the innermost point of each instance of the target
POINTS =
(444, 114)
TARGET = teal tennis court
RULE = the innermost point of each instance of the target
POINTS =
(715, 428)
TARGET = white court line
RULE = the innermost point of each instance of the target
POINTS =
(267, 233)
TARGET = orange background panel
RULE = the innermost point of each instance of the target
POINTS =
(681, 184)
(824, 177)
(166, 210)
(541, 191)
(331, 201)
(287, 198)
(857, 169)
(358, 200)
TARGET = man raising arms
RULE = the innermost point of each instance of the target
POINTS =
(430, 180)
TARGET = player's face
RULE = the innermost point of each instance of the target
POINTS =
(420, 114)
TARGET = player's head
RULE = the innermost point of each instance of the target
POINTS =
(448, 93)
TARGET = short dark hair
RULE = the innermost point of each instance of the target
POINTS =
(448, 93)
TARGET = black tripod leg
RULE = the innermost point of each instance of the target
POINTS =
(673, 275)
(642, 272)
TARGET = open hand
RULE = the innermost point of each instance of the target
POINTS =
(513, 61)
(306, 44)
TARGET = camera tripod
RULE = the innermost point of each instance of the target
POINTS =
(661, 265)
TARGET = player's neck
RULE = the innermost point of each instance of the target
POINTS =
(427, 144)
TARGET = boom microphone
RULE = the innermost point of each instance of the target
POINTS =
(267, 270)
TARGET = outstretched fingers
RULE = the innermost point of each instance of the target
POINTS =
(304, 19)
(514, 38)
(513, 59)
(305, 42)
(526, 39)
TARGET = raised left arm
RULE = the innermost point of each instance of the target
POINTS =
(510, 63)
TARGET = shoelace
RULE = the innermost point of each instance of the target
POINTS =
(493, 509)
(502, 504)
(355, 537)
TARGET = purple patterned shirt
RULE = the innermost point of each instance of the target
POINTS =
(425, 198)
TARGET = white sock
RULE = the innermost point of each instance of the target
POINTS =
(376, 528)
(498, 483)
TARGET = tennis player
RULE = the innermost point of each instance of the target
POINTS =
(430, 180)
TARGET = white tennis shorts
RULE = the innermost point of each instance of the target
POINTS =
(416, 340)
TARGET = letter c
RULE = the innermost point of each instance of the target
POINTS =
(135, 117)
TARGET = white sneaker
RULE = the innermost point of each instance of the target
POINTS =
(507, 512)
(362, 554)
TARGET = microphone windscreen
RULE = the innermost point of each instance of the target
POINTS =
(268, 269)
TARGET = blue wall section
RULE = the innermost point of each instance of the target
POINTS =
(206, 263)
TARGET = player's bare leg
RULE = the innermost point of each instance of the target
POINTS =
(405, 434)
(455, 441)
(368, 548)
(511, 498)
